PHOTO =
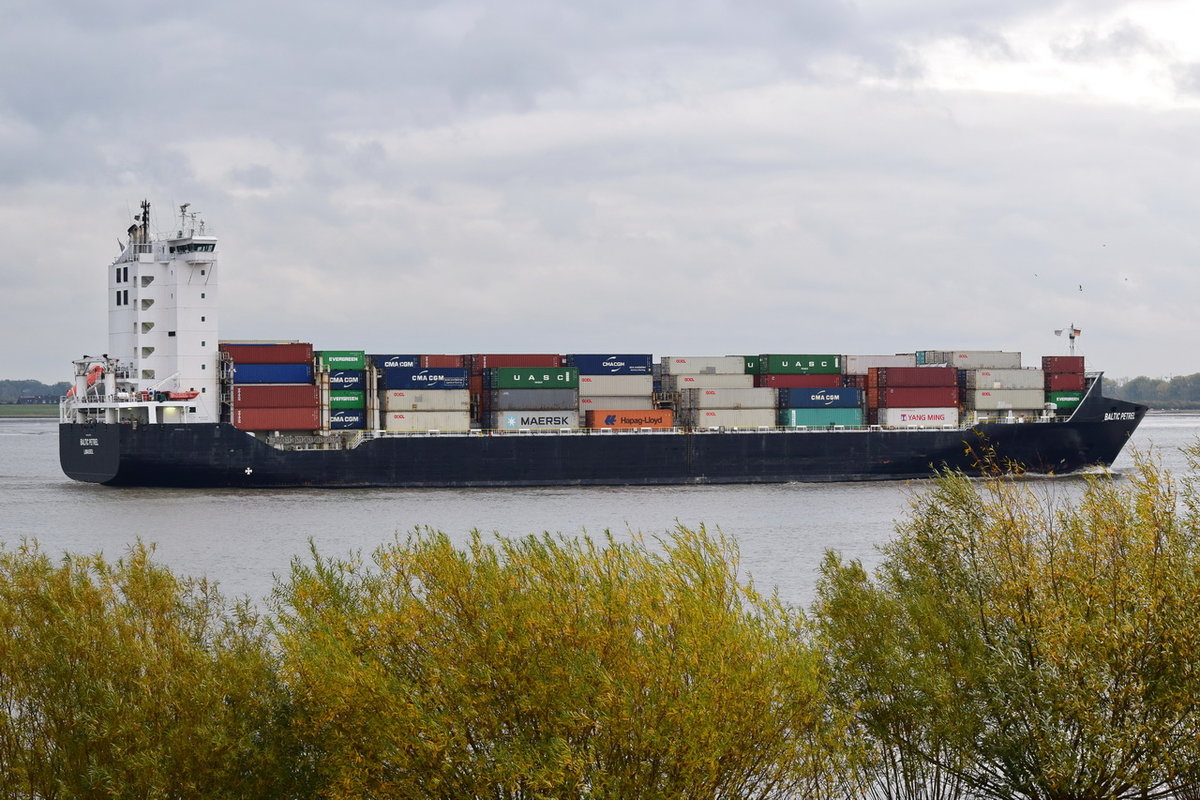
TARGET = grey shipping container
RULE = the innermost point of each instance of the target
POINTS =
(764, 397)
(534, 419)
(616, 384)
(636, 402)
(426, 400)
(730, 418)
(679, 382)
(858, 365)
(534, 399)
(705, 365)
(426, 420)
(999, 399)
(1004, 378)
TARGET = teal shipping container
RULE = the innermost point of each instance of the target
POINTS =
(820, 417)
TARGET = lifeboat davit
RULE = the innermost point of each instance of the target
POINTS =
(94, 373)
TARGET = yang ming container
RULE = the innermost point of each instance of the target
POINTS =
(532, 378)
(616, 384)
(273, 373)
(533, 419)
(439, 378)
(800, 364)
(426, 400)
(534, 399)
(276, 396)
(836, 397)
(290, 353)
(917, 417)
(622, 364)
(820, 417)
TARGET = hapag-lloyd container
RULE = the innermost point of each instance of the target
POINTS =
(820, 417)
(627, 402)
(1059, 364)
(621, 364)
(911, 376)
(480, 362)
(1064, 382)
(703, 365)
(998, 399)
(794, 381)
(858, 365)
(383, 361)
(432, 378)
(752, 418)
(836, 397)
(800, 364)
(287, 395)
(630, 419)
(1004, 378)
(532, 419)
(532, 378)
(414, 421)
(426, 400)
(616, 384)
(725, 380)
(348, 379)
(913, 397)
(342, 359)
(342, 419)
(728, 398)
(272, 373)
(917, 417)
(347, 398)
(277, 419)
(261, 353)
(533, 399)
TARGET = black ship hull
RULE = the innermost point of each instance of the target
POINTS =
(219, 455)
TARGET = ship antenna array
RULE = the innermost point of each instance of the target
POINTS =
(1072, 332)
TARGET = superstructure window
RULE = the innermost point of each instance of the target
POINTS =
(118, 297)
(124, 297)
(125, 274)
(118, 274)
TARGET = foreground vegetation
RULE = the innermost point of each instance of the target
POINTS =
(1008, 646)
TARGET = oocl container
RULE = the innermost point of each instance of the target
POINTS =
(621, 364)
(626, 419)
(348, 379)
(259, 353)
(342, 359)
(277, 419)
(820, 417)
(983, 359)
(383, 361)
(997, 399)
(276, 396)
(679, 382)
(534, 399)
(440, 378)
(917, 417)
(858, 365)
(751, 418)
(616, 384)
(415, 421)
(426, 400)
(728, 398)
(1004, 378)
(800, 364)
(837, 397)
(627, 402)
(533, 419)
(347, 398)
(710, 365)
(272, 373)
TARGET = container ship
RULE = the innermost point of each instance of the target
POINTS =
(171, 404)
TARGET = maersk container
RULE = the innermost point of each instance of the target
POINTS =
(751, 418)
(277, 419)
(800, 364)
(820, 417)
(533, 399)
(616, 384)
(630, 419)
(1066, 401)
(917, 417)
(355, 379)
(983, 359)
(261, 353)
(679, 382)
(858, 365)
(623, 364)
(1064, 382)
(347, 398)
(703, 365)
(1000, 399)
(342, 419)
(415, 421)
(913, 397)
(425, 400)
(1060, 364)
(342, 359)
(1004, 378)
(272, 373)
(793, 381)
(532, 378)
(728, 398)
(533, 419)
(835, 397)
(480, 362)
(383, 361)
(639, 402)
(439, 378)
(911, 376)
(288, 395)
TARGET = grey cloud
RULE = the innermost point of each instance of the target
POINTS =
(1121, 42)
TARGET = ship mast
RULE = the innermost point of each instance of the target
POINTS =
(1071, 332)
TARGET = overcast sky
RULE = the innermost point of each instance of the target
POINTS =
(682, 178)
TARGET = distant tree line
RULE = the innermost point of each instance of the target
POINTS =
(1007, 647)
(1181, 392)
(12, 391)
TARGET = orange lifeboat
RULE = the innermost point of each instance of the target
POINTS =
(94, 373)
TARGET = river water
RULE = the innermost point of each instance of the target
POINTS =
(243, 539)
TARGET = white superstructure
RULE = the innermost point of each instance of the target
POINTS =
(162, 361)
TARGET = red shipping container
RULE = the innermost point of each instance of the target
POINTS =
(484, 361)
(911, 377)
(298, 353)
(277, 419)
(276, 395)
(796, 381)
(443, 362)
(913, 396)
(1059, 364)
(852, 382)
(1065, 382)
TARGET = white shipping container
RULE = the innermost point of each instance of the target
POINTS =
(858, 365)
(640, 402)
(918, 417)
(426, 420)
(534, 420)
(729, 418)
(616, 385)
(1003, 399)
(426, 400)
(764, 397)
(1005, 379)
(710, 365)
(677, 383)
(983, 359)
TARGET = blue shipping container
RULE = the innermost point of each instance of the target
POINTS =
(431, 378)
(348, 379)
(385, 361)
(627, 364)
(273, 373)
(834, 397)
(343, 419)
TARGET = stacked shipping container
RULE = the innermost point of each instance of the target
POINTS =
(273, 386)
(419, 394)
(616, 391)
(347, 387)
(1065, 381)
(912, 396)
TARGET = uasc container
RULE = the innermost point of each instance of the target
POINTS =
(628, 418)
(800, 364)
(532, 378)
(273, 373)
(620, 364)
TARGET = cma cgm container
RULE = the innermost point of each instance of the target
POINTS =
(440, 378)
(1064, 382)
(342, 359)
(917, 417)
(728, 398)
(630, 419)
(1062, 364)
(637, 402)
(858, 365)
(272, 373)
(730, 418)
(1004, 378)
(416, 421)
(724, 380)
(532, 378)
(800, 364)
(289, 353)
(276, 396)
(838, 397)
(343, 419)
(355, 379)
(820, 417)
(425, 400)
(616, 384)
(481, 362)
(624, 364)
(913, 397)
(277, 419)
(703, 365)
(383, 361)
(996, 399)
(533, 419)
(347, 398)
(912, 376)
(533, 399)
(793, 381)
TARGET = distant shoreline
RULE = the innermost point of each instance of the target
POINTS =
(20, 411)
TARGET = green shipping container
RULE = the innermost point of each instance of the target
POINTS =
(343, 359)
(347, 398)
(751, 363)
(534, 378)
(801, 364)
(820, 417)
(1066, 401)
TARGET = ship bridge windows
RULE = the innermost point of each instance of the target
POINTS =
(195, 247)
